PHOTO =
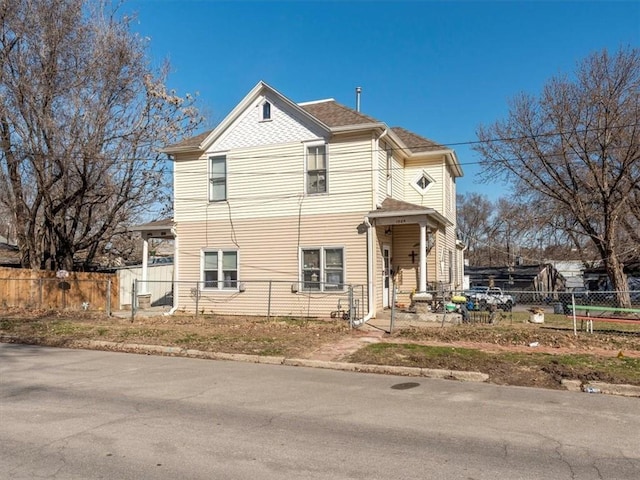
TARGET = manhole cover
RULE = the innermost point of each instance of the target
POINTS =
(405, 386)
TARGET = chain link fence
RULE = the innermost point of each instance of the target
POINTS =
(264, 298)
(491, 305)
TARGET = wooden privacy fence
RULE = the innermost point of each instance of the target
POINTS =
(43, 289)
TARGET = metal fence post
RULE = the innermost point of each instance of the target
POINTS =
(197, 298)
(269, 304)
(109, 297)
(133, 299)
(351, 306)
(393, 307)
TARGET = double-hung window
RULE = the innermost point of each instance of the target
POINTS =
(322, 269)
(220, 269)
(217, 178)
(316, 168)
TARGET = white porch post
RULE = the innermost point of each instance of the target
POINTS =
(145, 261)
(423, 257)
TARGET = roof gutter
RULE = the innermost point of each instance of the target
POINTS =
(358, 127)
(444, 151)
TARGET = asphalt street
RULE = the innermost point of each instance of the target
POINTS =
(75, 414)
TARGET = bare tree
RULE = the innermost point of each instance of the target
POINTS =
(474, 220)
(576, 151)
(82, 117)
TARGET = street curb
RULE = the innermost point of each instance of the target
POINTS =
(612, 389)
(570, 385)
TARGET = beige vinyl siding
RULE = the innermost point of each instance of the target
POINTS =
(381, 173)
(268, 250)
(350, 172)
(270, 182)
(448, 191)
(398, 178)
(433, 267)
(450, 246)
(406, 273)
(381, 239)
(434, 195)
(405, 238)
(450, 196)
(446, 243)
(397, 175)
(190, 186)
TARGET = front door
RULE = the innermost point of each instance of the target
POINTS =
(386, 275)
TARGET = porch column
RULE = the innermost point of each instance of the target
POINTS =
(145, 262)
(423, 257)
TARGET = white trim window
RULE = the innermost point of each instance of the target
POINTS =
(217, 178)
(322, 269)
(266, 111)
(422, 182)
(220, 269)
(316, 168)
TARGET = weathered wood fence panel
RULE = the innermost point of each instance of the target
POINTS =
(42, 289)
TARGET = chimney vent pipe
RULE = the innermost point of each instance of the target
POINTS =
(358, 92)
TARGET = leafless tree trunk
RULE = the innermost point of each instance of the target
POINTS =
(576, 149)
(82, 117)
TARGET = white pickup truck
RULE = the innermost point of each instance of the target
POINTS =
(483, 297)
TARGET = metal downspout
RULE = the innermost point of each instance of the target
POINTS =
(370, 256)
(370, 271)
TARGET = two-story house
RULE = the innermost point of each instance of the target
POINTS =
(316, 196)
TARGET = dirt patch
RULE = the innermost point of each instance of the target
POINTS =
(275, 337)
(525, 355)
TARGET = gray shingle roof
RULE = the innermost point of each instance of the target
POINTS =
(415, 142)
(392, 205)
(192, 141)
(334, 114)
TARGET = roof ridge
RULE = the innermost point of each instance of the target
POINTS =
(312, 102)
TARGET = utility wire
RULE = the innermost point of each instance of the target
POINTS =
(430, 146)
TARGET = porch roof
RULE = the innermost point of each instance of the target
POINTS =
(394, 211)
(156, 229)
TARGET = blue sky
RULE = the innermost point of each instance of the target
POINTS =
(438, 68)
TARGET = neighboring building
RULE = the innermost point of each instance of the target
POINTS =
(9, 254)
(314, 194)
(521, 278)
(572, 271)
(596, 278)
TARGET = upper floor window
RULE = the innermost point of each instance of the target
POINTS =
(220, 269)
(218, 179)
(266, 111)
(316, 169)
(422, 182)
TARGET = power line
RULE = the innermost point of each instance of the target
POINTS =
(430, 146)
